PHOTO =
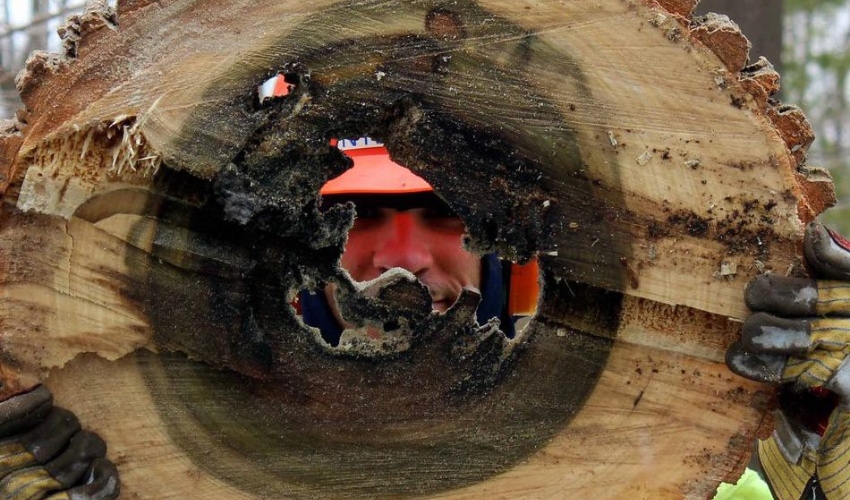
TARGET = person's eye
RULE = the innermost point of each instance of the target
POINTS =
(444, 219)
(440, 212)
(368, 212)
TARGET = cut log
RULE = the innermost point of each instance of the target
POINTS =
(159, 218)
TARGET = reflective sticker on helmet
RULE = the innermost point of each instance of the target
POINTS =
(275, 86)
(266, 90)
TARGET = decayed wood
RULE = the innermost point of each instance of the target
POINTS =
(158, 219)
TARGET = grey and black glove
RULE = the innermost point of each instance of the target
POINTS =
(800, 339)
(45, 454)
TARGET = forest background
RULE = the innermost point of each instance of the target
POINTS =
(808, 41)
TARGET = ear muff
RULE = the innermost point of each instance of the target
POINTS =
(524, 289)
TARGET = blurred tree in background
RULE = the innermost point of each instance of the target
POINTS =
(25, 26)
(816, 59)
(759, 20)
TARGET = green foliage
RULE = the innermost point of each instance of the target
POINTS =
(838, 218)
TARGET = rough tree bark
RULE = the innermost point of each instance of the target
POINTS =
(158, 219)
(760, 22)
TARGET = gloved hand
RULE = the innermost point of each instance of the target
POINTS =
(801, 340)
(44, 454)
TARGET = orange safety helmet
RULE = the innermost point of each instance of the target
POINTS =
(374, 172)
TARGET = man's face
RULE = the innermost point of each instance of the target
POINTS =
(425, 240)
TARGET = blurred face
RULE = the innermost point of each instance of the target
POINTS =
(425, 240)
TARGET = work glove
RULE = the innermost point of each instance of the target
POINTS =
(45, 454)
(800, 339)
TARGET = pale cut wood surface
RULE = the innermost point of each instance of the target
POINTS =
(656, 169)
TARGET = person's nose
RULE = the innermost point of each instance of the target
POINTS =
(404, 244)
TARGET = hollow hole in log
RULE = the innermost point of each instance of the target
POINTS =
(401, 223)
(398, 238)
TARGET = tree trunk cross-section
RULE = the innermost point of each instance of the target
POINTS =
(158, 219)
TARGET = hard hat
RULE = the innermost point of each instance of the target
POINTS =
(373, 172)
